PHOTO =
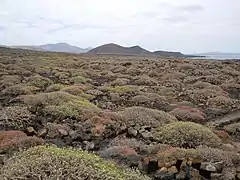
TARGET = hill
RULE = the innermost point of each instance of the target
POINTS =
(169, 53)
(119, 50)
(115, 49)
(59, 47)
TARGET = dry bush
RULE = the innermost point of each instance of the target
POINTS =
(39, 81)
(145, 80)
(146, 117)
(189, 114)
(54, 87)
(79, 80)
(118, 69)
(120, 82)
(133, 71)
(173, 75)
(220, 102)
(187, 134)
(121, 154)
(14, 140)
(214, 155)
(202, 95)
(150, 100)
(122, 89)
(129, 142)
(59, 104)
(62, 75)
(55, 163)
(233, 129)
(230, 71)
(166, 91)
(19, 89)
(186, 66)
(9, 80)
(77, 91)
(15, 117)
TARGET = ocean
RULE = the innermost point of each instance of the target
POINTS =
(221, 57)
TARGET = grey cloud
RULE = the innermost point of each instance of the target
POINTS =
(175, 19)
(190, 8)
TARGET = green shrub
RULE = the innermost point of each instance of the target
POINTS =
(233, 129)
(39, 81)
(15, 117)
(55, 163)
(77, 91)
(147, 117)
(54, 87)
(9, 80)
(79, 80)
(19, 89)
(59, 104)
(71, 109)
(186, 134)
(122, 89)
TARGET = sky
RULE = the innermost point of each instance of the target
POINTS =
(188, 26)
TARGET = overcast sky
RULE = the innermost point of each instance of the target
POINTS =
(180, 25)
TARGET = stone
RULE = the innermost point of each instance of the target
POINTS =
(216, 176)
(2, 157)
(167, 164)
(132, 132)
(146, 135)
(173, 170)
(195, 173)
(238, 176)
(219, 166)
(42, 133)
(89, 145)
(161, 164)
(164, 176)
(181, 175)
(208, 167)
(238, 169)
(63, 132)
(75, 135)
(30, 131)
(163, 169)
(229, 173)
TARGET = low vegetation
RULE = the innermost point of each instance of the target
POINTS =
(187, 134)
(55, 163)
(124, 108)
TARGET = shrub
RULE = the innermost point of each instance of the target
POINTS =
(77, 91)
(220, 102)
(39, 81)
(146, 117)
(189, 114)
(145, 80)
(15, 117)
(187, 134)
(60, 104)
(79, 80)
(166, 91)
(122, 89)
(19, 89)
(55, 163)
(14, 140)
(9, 80)
(120, 82)
(233, 129)
(54, 87)
(133, 71)
(71, 109)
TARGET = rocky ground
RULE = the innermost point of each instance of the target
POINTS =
(138, 117)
